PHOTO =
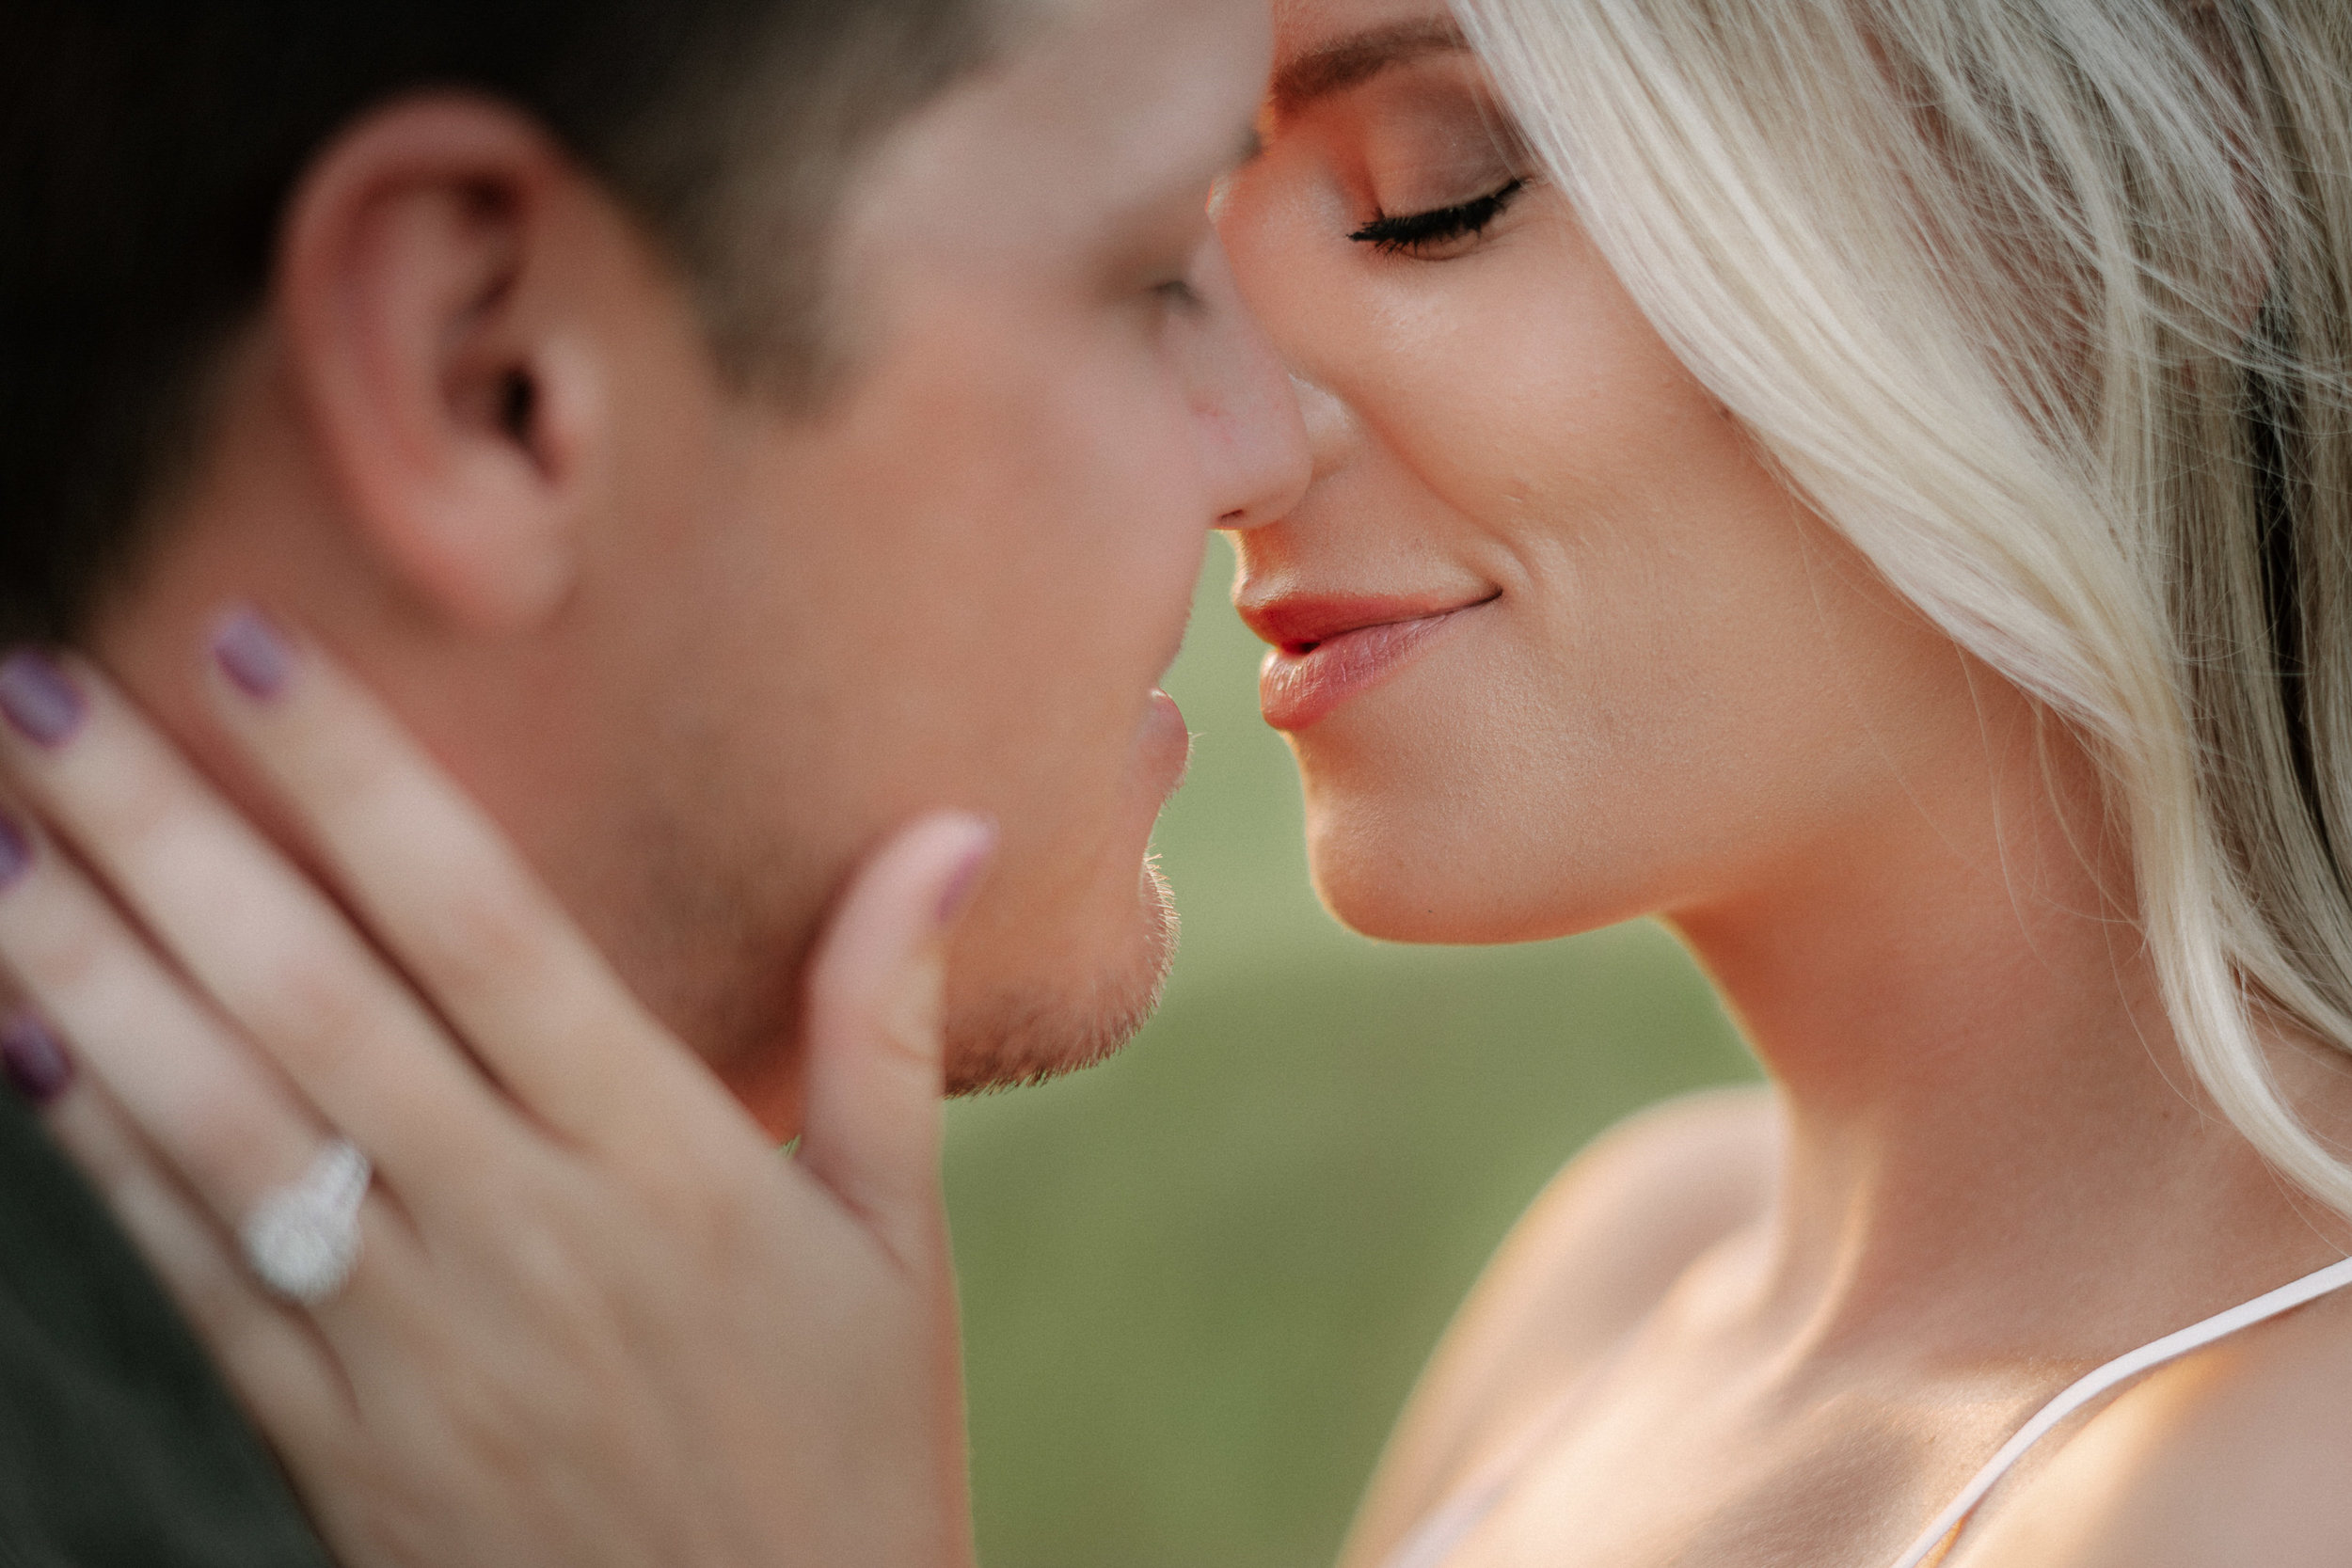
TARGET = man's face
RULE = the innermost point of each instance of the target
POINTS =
(962, 583)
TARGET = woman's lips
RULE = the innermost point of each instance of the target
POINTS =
(1305, 677)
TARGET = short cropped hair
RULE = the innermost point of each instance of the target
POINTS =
(147, 149)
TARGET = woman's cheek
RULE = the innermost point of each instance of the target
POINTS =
(1523, 373)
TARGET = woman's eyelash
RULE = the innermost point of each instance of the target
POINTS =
(1412, 230)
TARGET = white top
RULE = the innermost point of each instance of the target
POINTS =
(1434, 1541)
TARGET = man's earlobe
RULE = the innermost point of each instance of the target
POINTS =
(443, 338)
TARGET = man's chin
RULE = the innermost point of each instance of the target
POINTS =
(1028, 1035)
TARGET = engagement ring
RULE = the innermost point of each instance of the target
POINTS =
(303, 1239)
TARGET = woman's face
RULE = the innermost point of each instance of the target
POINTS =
(1606, 664)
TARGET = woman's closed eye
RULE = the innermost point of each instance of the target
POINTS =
(1440, 230)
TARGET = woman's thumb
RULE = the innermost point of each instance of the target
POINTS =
(873, 1032)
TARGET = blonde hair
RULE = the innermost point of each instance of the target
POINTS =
(2046, 305)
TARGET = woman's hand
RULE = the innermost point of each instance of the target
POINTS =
(595, 1318)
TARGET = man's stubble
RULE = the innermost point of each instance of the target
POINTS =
(720, 955)
(1013, 1036)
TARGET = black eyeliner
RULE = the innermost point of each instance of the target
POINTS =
(1395, 235)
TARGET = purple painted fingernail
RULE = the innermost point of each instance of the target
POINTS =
(253, 654)
(957, 896)
(33, 1058)
(39, 700)
(16, 850)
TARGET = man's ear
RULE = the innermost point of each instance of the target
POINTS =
(437, 287)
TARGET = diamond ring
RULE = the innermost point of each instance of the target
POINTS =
(303, 1239)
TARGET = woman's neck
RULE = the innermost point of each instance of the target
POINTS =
(1995, 1146)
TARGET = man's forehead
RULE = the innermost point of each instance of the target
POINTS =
(1047, 12)
(1140, 34)
(1030, 22)
(1096, 101)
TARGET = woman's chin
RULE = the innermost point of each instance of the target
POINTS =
(1392, 893)
(1386, 920)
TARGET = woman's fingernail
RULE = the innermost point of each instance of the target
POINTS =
(40, 701)
(33, 1058)
(253, 654)
(956, 895)
(16, 850)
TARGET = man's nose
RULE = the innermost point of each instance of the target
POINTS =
(1246, 413)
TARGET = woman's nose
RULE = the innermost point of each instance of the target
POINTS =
(1331, 427)
(1246, 413)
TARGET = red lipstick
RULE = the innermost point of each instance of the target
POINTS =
(1326, 650)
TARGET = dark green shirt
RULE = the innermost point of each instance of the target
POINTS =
(118, 1445)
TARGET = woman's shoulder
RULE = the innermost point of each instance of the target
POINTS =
(1591, 1256)
(1613, 1230)
(2239, 1454)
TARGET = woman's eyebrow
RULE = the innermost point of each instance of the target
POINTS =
(1360, 57)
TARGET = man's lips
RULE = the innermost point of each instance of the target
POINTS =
(1326, 650)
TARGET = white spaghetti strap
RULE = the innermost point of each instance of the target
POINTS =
(1433, 1544)
(2221, 1325)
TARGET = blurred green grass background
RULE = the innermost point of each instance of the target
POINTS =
(1199, 1280)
